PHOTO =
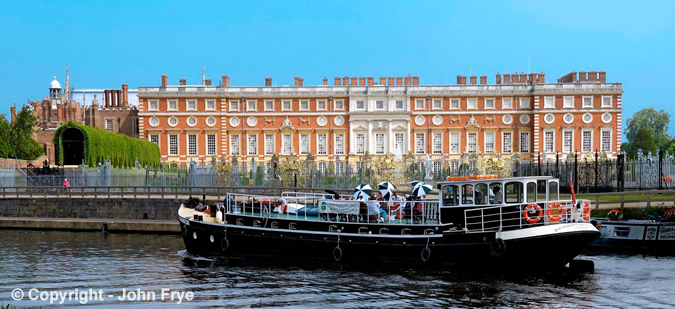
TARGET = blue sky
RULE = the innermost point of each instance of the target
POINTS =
(108, 43)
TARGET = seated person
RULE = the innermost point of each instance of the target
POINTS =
(497, 199)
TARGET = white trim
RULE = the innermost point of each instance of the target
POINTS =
(547, 230)
(494, 104)
(549, 102)
(565, 102)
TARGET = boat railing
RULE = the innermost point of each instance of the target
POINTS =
(304, 196)
(518, 216)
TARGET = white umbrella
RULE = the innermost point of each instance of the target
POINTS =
(362, 189)
(420, 188)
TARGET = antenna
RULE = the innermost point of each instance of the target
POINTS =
(528, 64)
(203, 74)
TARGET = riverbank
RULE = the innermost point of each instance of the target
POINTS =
(92, 224)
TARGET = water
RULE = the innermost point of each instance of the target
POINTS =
(114, 263)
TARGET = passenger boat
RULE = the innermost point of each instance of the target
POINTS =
(516, 222)
(634, 236)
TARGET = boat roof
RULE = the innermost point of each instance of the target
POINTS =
(483, 179)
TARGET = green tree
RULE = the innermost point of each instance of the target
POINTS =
(4, 150)
(18, 135)
(650, 119)
(643, 141)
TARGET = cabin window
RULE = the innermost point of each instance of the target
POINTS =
(541, 190)
(531, 192)
(450, 195)
(496, 193)
(553, 191)
(621, 231)
(514, 192)
(481, 194)
(467, 194)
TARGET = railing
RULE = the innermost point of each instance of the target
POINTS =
(517, 216)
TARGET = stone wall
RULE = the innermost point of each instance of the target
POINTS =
(104, 208)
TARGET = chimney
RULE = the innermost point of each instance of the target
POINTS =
(338, 82)
(602, 77)
(532, 78)
(362, 81)
(592, 76)
(207, 82)
(125, 95)
(507, 78)
(268, 82)
(345, 81)
(301, 81)
(472, 79)
(295, 81)
(105, 98)
(355, 81)
(399, 80)
(383, 80)
(113, 100)
(483, 79)
(119, 97)
(225, 81)
(390, 81)
(408, 80)
(582, 76)
(325, 81)
(498, 78)
(540, 78)
(182, 82)
(371, 81)
(523, 78)
(12, 110)
(165, 80)
(459, 80)
(416, 81)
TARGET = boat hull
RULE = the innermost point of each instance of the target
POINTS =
(634, 236)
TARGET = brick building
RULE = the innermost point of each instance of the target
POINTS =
(340, 122)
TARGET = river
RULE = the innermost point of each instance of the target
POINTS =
(150, 271)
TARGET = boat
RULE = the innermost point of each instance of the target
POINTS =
(653, 236)
(471, 222)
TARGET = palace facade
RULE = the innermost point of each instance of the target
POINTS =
(518, 114)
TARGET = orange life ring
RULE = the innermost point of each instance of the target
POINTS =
(527, 209)
(561, 211)
(586, 210)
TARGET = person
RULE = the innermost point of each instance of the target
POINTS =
(497, 199)
(66, 183)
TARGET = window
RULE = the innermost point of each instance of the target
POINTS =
(398, 143)
(606, 141)
(304, 105)
(568, 140)
(454, 143)
(192, 144)
(339, 143)
(379, 105)
(471, 104)
(489, 103)
(524, 142)
(286, 105)
(525, 103)
(489, 142)
(322, 167)
(454, 165)
(419, 143)
(234, 145)
(586, 141)
(211, 144)
(269, 105)
(234, 105)
(507, 142)
(110, 124)
(153, 105)
(360, 143)
(437, 167)
(321, 105)
(269, 144)
(191, 105)
(172, 106)
(321, 144)
(437, 143)
(437, 104)
(549, 102)
(507, 103)
(339, 168)
(360, 105)
(454, 104)
(606, 101)
(568, 102)
(379, 143)
(304, 144)
(399, 104)
(339, 105)
(419, 104)
(549, 141)
(252, 144)
(251, 105)
(471, 142)
(173, 144)
(210, 105)
(286, 144)
(587, 102)
(154, 138)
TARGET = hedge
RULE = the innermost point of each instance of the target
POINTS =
(101, 145)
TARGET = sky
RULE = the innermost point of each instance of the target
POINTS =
(110, 43)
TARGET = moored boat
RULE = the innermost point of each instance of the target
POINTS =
(516, 222)
(634, 236)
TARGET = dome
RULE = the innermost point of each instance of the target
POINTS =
(55, 84)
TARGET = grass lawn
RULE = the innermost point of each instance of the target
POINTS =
(627, 197)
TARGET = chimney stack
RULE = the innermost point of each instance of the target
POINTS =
(461, 80)
(165, 80)
(355, 81)
(602, 76)
(362, 81)
(582, 76)
(325, 81)
(507, 78)
(207, 82)
(523, 78)
(226, 81)
(483, 79)
(383, 80)
(12, 110)
(268, 82)
(182, 82)
(498, 78)
(125, 95)
(408, 80)
(119, 97)
(416, 80)
(399, 80)
(371, 81)
(338, 81)
(390, 81)
(472, 79)
(300, 81)
(345, 81)
(540, 78)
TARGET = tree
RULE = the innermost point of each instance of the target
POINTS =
(18, 135)
(650, 119)
(643, 141)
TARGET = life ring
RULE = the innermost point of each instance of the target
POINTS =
(426, 254)
(183, 230)
(586, 210)
(337, 254)
(224, 244)
(527, 209)
(497, 247)
(561, 211)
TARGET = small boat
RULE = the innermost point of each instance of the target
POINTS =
(634, 236)
(506, 223)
